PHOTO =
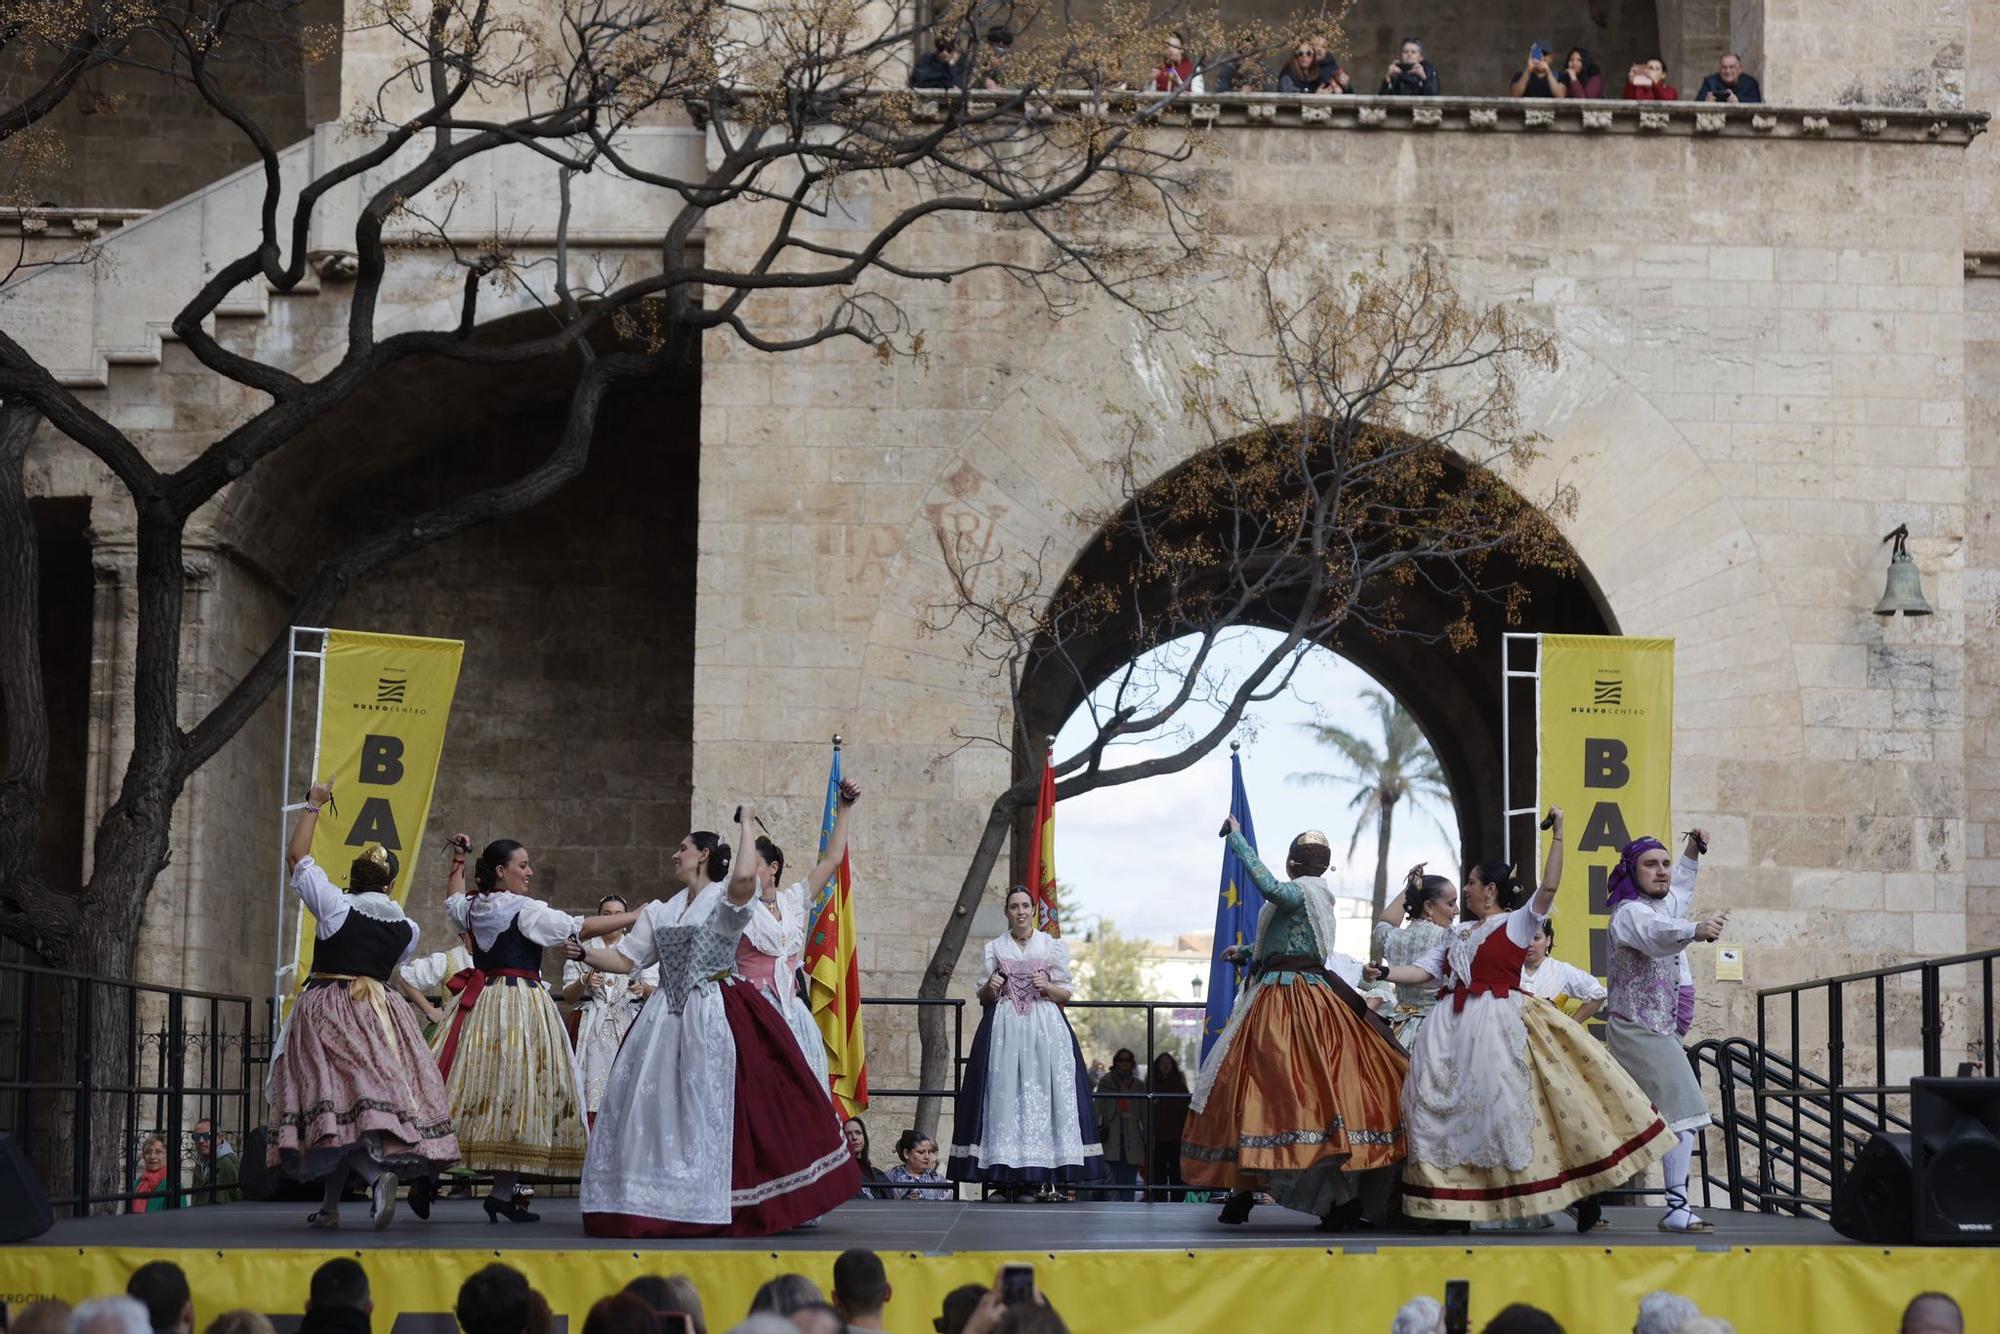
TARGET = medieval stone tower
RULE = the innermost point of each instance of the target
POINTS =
(1780, 335)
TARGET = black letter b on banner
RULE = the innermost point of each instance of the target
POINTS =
(1603, 762)
(382, 760)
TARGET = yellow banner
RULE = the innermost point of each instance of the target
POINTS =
(1768, 1289)
(1606, 713)
(383, 709)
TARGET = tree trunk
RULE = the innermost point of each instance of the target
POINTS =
(1382, 827)
(933, 1029)
(26, 899)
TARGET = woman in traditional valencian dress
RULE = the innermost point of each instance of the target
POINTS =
(352, 1088)
(508, 1069)
(768, 954)
(1414, 926)
(712, 1122)
(1298, 1095)
(1513, 1109)
(606, 1006)
(1024, 1118)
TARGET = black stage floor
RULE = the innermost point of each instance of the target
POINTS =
(929, 1228)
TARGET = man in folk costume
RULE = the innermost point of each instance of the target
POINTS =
(1302, 1091)
(1649, 896)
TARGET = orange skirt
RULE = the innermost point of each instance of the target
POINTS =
(1306, 1082)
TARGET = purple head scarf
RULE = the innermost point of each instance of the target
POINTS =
(1623, 886)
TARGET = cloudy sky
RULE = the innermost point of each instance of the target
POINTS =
(1146, 855)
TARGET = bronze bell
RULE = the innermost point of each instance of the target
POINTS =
(1904, 593)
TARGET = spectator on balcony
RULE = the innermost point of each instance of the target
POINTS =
(1537, 78)
(1332, 78)
(1730, 84)
(1242, 72)
(1410, 74)
(999, 45)
(1648, 83)
(1301, 72)
(1176, 72)
(942, 68)
(1580, 75)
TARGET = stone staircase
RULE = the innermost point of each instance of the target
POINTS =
(79, 320)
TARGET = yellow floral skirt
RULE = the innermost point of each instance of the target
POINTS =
(515, 1098)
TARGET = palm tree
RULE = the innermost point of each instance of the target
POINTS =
(1403, 768)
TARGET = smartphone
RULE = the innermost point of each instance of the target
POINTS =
(676, 1322)
(1017, 1285)
(1538, 52)
(1457, 1306)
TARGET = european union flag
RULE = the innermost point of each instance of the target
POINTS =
(1237, 904)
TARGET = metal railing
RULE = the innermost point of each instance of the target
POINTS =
(1791, 1131)
(92, 1068)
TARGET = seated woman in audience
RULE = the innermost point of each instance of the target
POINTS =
(1580, 75)
(1648, 83)
(855, 1131)
(919, 1153)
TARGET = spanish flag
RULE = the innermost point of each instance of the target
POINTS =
(833, 974)
(1042, 852)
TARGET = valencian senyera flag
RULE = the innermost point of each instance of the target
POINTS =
(1041, 880)
(833, 972)
(1237, 905)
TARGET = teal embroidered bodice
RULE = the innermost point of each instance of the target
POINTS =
(1290, 930)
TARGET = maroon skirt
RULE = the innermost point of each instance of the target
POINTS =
(788, 1162)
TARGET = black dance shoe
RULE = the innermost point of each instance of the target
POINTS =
(1236, 1209)
(513, 1211)
(1588, 1213)
(422, 1191)
(1343, 1218)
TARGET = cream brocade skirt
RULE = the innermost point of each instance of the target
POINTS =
(516, 1101)
(1589, 1127)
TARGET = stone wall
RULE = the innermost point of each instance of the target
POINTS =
(1750, 398)
(1898, 53)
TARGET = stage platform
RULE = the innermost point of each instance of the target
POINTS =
(1107, 1266)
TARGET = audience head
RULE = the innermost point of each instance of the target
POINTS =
(1167, 1071)
(959, 1304)
(675, 1292)
(44, 1317)
(162, 1288)
(240, 1322)
(1657, 68)
(1000, 37)
(1730, 67)
(918, 1151)
(1705, 1324)
(1663, 1313)
(620, 1313)
(340, 1282)
(1412, 54)
(860, 1284)
(765, 1323)
(203, 1136)
(1932, 1313)
(493, 1301)
(787, 1293)
(818, 1318)
(1580, 64)
(111, 1315)
(153, 1154)
(1521, 1318)
(856, 1131)
(1035, 1319)
(1419, 1315)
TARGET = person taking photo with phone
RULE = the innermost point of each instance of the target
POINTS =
(1536, 79)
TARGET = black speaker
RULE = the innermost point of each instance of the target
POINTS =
(1873, 1202)
(1955, 1132)
(24, 1205)
(261, 1183)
